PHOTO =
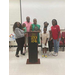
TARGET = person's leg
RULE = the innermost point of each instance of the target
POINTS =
(17, 51)
(49, 45)
(26, 41)
(25, 45)
(57, 46)
(22, 45)
(46, 52)
(43, 50)
(54, 45)
(43, 53)
(46, 48)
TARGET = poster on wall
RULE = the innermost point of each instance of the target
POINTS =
(12, 37)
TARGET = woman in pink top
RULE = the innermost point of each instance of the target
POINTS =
(28, 25)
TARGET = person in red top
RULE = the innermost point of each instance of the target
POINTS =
(55, 30)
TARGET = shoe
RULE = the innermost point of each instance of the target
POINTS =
(45, 56)
(23, 53)
(42, 55)
(17, 55)
(55, 54)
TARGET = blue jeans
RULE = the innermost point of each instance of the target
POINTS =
(56, 45)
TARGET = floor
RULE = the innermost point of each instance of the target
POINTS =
(52, 65)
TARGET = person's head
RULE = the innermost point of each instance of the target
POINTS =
(24, 25)
(54, 22)
(17, 24)
(46, 24)
(35, 21)
(28, 19)
(45, 29)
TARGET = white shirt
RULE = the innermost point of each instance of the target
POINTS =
(44, 37)
(48, 29)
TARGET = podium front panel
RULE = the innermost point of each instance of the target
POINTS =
(32, 46)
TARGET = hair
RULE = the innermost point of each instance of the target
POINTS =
(27, 17)
(15, 26)
(23, 24)
(35, 19)
(55, 21)
(46, 22)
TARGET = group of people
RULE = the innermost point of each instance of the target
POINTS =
(48, 35)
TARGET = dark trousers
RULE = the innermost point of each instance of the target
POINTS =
(20, 44)
(50, 44)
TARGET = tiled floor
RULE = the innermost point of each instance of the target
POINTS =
(49, 66)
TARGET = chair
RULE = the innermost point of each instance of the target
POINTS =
(60, 43)
(63, 39)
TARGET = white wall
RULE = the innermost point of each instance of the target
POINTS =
(14, 13)
(44, 10)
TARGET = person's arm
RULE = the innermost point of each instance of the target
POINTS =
(58, 36)
(19, 32)
(39, 29)
(23, 29)
(31, 28)
(58, 33)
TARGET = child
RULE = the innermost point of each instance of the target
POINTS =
(44, 38)
(50, 40)
(24, 28)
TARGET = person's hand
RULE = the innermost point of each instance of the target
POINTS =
(25, 34)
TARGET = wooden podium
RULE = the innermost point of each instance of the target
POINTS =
(33, 48)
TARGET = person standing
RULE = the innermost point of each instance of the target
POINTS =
(36, 27)
(28, 25)
(20, 39)
(44, 38)
(55, 29)
(50, 40)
